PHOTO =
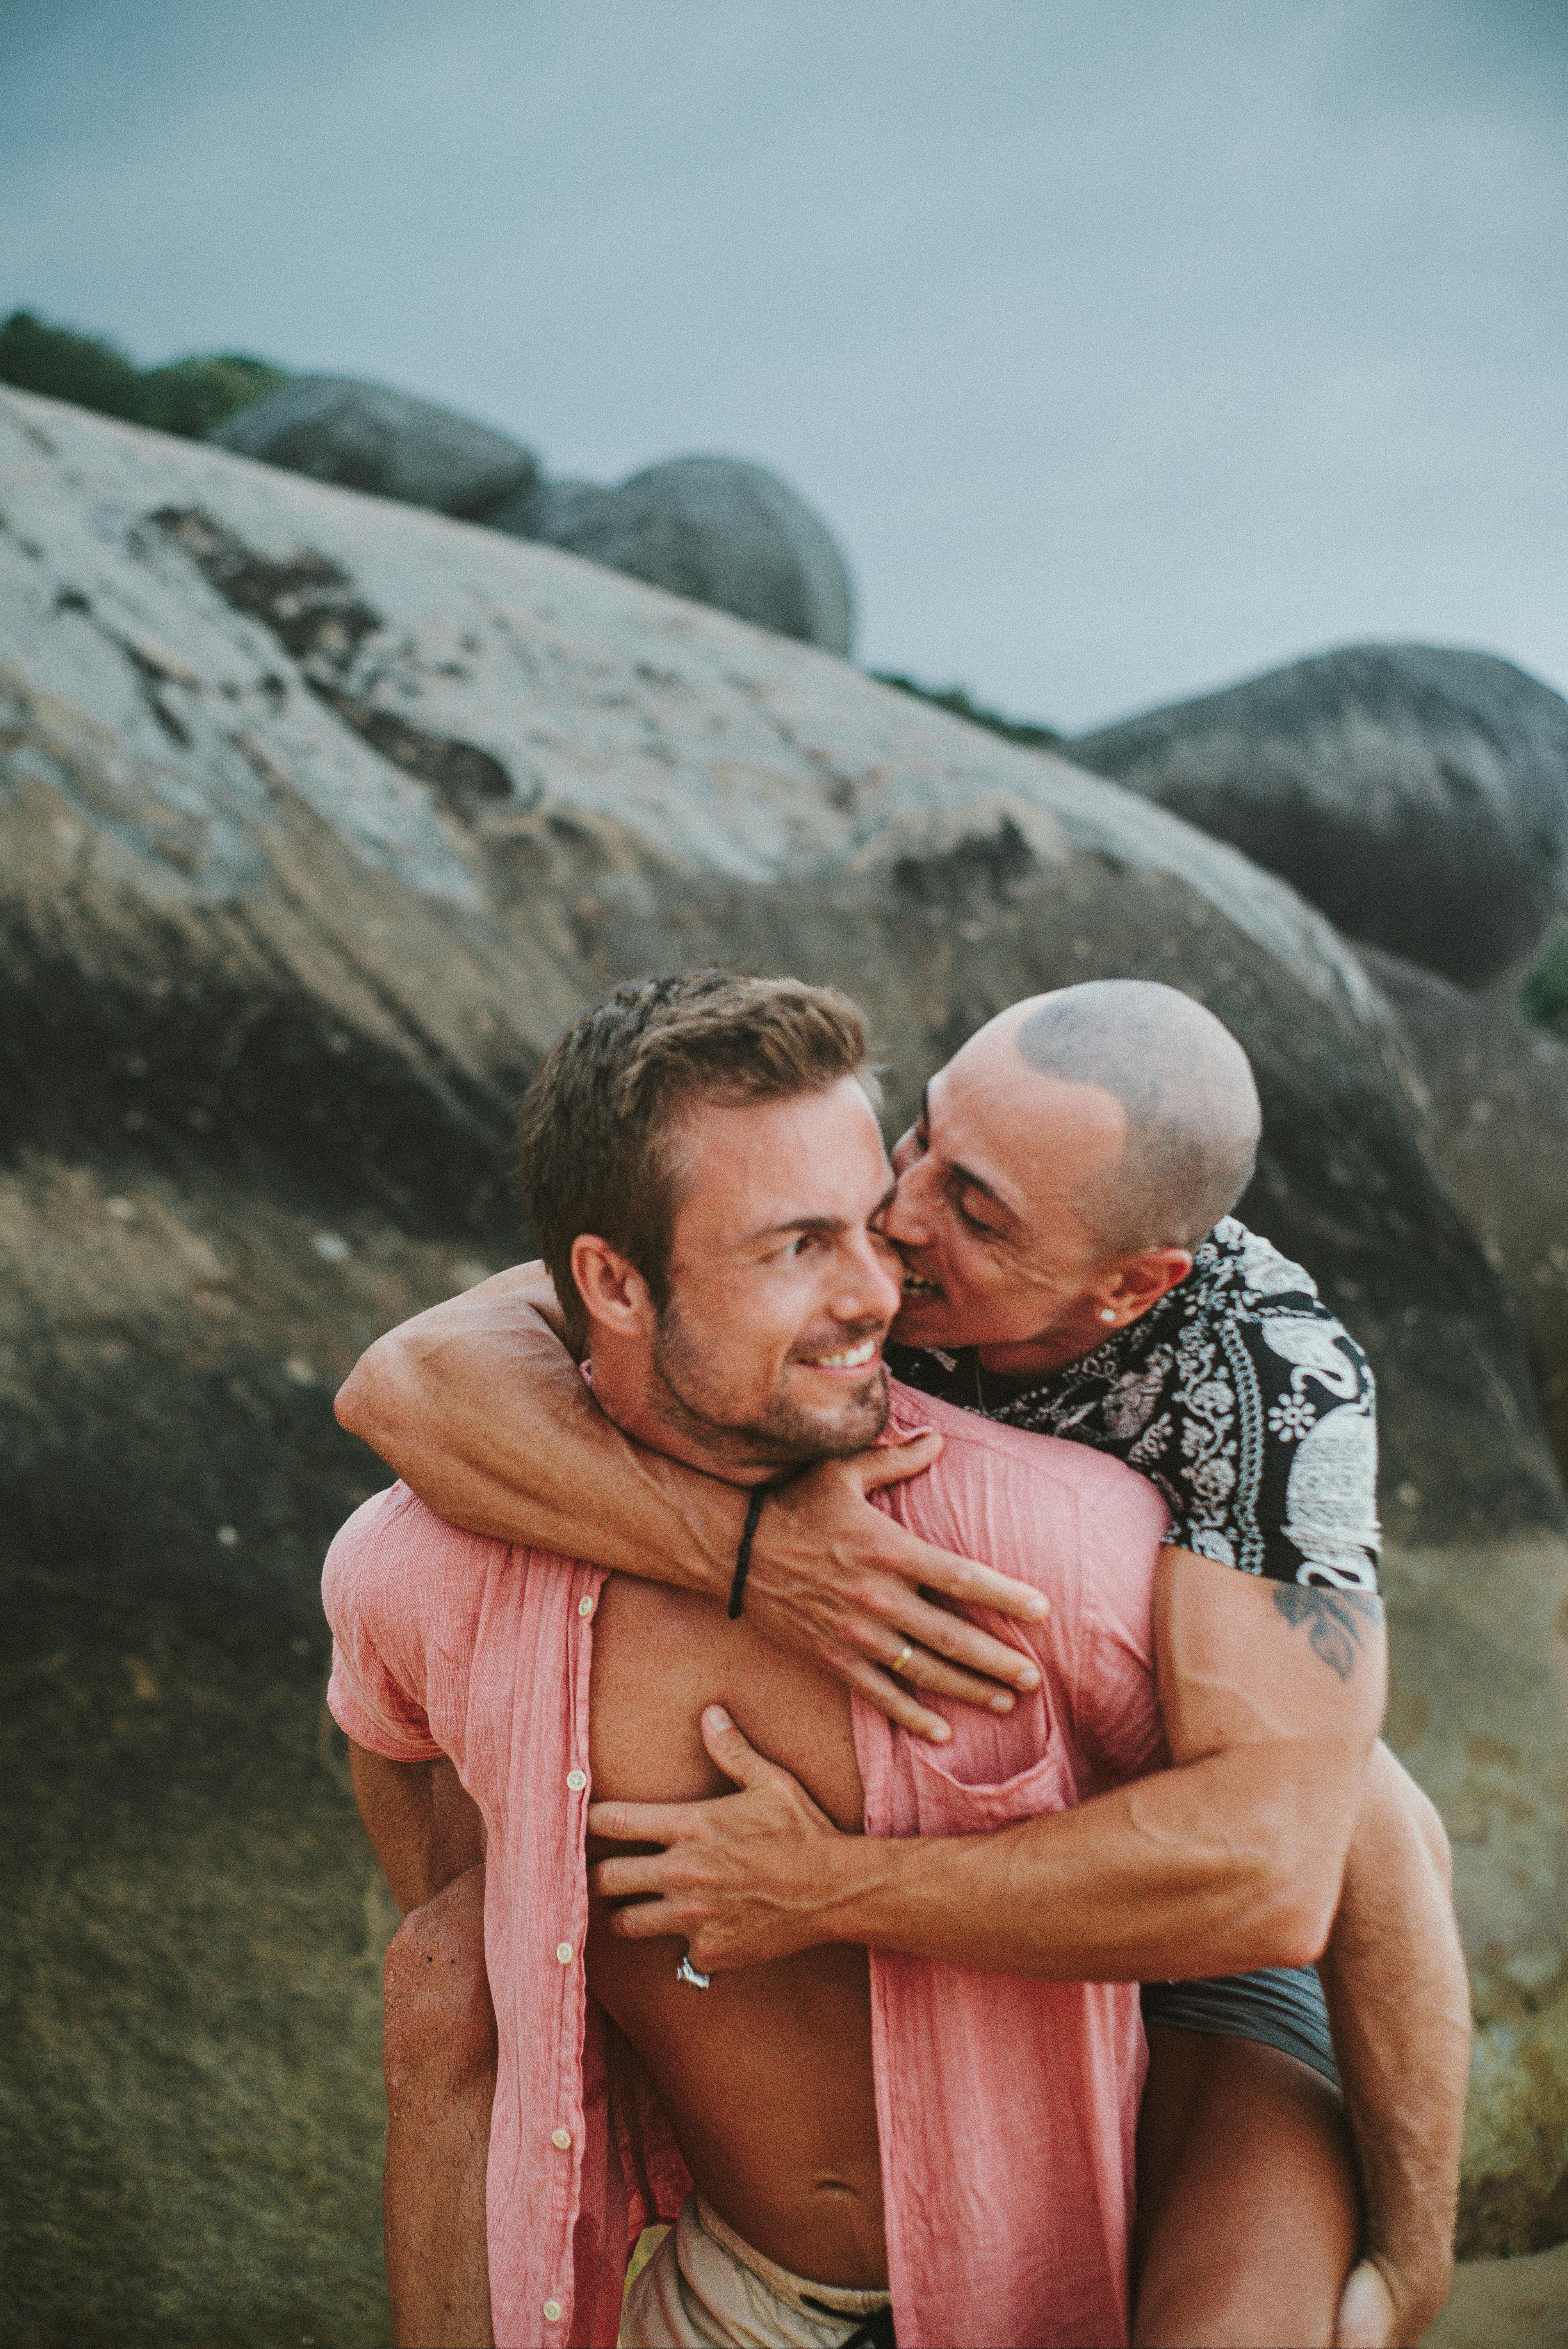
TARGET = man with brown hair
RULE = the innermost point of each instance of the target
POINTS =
(1151, 1889)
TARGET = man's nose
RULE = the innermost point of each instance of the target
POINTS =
(904, 1219)
(873, 1291)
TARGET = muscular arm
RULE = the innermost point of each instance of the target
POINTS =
(1231, 1860)
(1398, 1999)
(482, 1411)
(480, 1407)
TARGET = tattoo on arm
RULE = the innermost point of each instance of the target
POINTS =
(1331, 1618)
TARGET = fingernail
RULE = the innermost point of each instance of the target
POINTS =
(1001, 1704)
(718, 1718)
(940, 1734)
(1029, 1679)
(1039, 1611)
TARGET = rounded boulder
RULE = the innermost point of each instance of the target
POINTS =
(716, 529)
(1417, 796)
(364, 436)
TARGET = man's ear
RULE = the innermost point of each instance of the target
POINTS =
(614, 1294)
(1141, 1280)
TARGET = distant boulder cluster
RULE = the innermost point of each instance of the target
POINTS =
(716, 529)
(1416, 794)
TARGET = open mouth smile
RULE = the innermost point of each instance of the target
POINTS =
(852, 1358)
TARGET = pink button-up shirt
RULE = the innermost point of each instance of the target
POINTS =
(1006, 2108)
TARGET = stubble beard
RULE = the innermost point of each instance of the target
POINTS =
(786, 1438)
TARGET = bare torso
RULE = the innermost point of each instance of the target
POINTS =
(766, 2077)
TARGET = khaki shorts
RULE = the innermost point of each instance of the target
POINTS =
(705, 2289)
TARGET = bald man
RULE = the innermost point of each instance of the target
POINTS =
(1070, 1266)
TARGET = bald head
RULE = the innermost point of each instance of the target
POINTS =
(1186, 1087)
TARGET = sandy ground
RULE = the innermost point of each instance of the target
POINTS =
(1507, 2304)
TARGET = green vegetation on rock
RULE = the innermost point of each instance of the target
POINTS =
(954, 698)
(187, 397)
(64, 365)
(191, 396)
(1544, 997)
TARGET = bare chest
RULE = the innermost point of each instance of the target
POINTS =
(660, 1656)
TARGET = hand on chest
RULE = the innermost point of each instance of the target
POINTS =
(660, 1656)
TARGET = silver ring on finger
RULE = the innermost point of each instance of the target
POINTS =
(903, 1657)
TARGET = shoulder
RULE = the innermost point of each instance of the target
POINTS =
(983, 1462)
(1271, 1296)
(393, 1547)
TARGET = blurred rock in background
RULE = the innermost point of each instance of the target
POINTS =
(366, 436)
(1417, 796)
(318, 816)
(1498, 1103)
(713, 528)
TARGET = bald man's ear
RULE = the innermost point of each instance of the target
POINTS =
(1134, 1283)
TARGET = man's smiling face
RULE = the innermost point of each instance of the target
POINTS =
(996, 1252)
(782, 1288)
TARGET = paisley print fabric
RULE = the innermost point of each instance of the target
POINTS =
(1239, 1395)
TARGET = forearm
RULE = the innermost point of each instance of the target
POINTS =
(1398, 1999)
(424, 1828)
(1216, 1867)
(483, 1413)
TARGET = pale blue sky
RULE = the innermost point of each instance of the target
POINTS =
(1128, 346)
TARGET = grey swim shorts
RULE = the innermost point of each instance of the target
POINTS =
(1282, 2006)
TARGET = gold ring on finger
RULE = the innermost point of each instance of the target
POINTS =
(903, 1657)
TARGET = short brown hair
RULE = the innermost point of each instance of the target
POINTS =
(592, 1155)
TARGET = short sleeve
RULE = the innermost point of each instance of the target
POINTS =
(1307, 1510)
(376, 1692)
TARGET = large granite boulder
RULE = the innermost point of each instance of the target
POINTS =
(713, 528)
(364, 435)
(317, 818)
(1419, 796)
(1498, 1090)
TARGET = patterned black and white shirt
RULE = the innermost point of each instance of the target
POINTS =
(1239, 1395)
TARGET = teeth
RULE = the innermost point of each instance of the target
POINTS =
(849, 1361)
(914, 1286)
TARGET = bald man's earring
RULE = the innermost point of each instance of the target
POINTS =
(1106, 1314)
(686, 1972)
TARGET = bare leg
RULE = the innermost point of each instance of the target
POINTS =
(440, 2059)
(1249, 2209)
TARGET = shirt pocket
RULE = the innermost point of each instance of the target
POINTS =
(950, 1802)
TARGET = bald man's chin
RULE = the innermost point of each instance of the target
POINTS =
(921, 1319)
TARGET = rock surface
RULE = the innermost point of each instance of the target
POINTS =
(1419, 796)
(317, 818)
(1507, 2304)
(364, 435)
(716, 529)
(1499, 1092)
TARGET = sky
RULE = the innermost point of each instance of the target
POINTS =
(1128, 346)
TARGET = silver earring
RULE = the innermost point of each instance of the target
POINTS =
(1106, 1314)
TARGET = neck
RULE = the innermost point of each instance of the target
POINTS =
(1036, 1357)
(629, 1391)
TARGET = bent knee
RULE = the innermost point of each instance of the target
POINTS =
(438, 2009)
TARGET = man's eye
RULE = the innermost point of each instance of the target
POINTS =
(973, 1222)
